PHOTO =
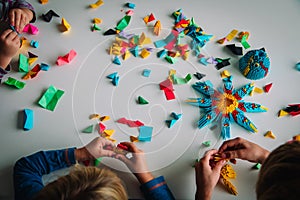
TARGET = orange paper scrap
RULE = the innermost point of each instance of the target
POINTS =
(97, 4)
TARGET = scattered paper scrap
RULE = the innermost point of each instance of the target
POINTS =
(15, 83)
(43, 1)
(97, 20)
(130, 123)
(256, 166)
(31, 29)
(28, 119)
(235, 50)
(207, 143)
(292, 109)
(102, 127)
(50, 98)
(32, 58)
(65, 25)
(95, 27)
(23, 63)
(97, 4)
(170, 123)
(270, 134)
(149, 18)
(88, 129)
(130, 5)
(258, 90)
(225, 74)
(34, 43)
(167, 87)
(61, 60)
(114, 78)
(268, 87)
(94, 116)
(45, 67)
(222, 63)
(142, 101)
(157, 27)
(145, 133)
(298, 66)
(117, 61)
(104, 118)
(110, 32)
(229, 37)
(199, 76)
(49, 15)
(123, 23)
(32, 73)
(145, 53)
(146, 72)
(133, 138)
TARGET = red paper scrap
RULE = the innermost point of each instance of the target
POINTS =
(61, 60)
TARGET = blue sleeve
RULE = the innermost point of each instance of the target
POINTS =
(157, 189)
(28, 171)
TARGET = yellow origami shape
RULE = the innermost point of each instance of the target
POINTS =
(65, 25)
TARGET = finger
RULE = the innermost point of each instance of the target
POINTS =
(232, 154)
(22, 22)
(11, 16)
(219, 166)
(108, 153)
(229, 144)
(209, 154)
(6, 33)
(122, 158)
(12, 35)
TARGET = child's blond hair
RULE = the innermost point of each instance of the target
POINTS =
(280, 174)
(89, 183)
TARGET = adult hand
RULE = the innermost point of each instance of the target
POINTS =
(243, 149)
(137, 163)
(9, 46)
(19, 17)
(207, 176)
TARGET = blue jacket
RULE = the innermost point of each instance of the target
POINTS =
(28, 172)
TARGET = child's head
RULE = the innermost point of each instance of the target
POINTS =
(279, 176)
(85, 183)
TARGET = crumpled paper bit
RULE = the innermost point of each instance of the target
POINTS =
(97, 4)
(61, 60)
(31, 29)
(49, 15)
(50, 98)
(15, 83)
(28, 119)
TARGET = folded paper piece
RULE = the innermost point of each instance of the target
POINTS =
(292, 109)
(94, 116)
(32, 73)
(229, 37)
(104, 118)
(23, 63)
(88, 129)
(117, 61)
(225, 74)
(146, 72)
(207, 143)
(257, 166)
(222, 63)
(298, 66)
(180, 81)
(270, 134)
(48, 16)
(157, 27)
(130, 5)
(123, 23)
(167, 87)
(175, 117)
(61, 60)
(43, 1)
(102, 127)
(149, 18)
(235, 50)
(97, 4)
(97, 20)
(145, 133)
(199, 76)
(130, 123)
(31, 29)
(268, 87)
(114, 78)
(142, 101)
(110, 32)
(15, 83)
(50, 98)
(32, 58)
(28, 119)
(95, 27)
(34, 43)
(45, 67)
(66, 26)
(227, 173)
(145, 53)
(133, 138)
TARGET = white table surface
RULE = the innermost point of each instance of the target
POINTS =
(272, 24)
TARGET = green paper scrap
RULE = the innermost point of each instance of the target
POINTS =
(257, 166)
(50, 98)
(88, 129)
(15, 83)
(123, 23)
(23, 63)
(98, 161)
(96, 28)
(207, 143)
(244, 42)
(180, 81)
(171, 59)
(142, 101)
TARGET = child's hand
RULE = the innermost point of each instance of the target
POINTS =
(98, 147)
(137, 163)
(243, 149)
(207, 176)
(9, 46)
(19, 17)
